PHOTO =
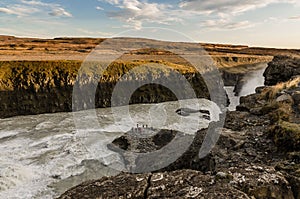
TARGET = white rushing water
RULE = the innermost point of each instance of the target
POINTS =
(253, 80)
(250, 82)
(41, 156)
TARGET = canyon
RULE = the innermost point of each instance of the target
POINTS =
(256, 156)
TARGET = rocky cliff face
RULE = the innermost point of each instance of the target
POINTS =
(34, 87)
(281, 69)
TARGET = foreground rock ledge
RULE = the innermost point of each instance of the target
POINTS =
(188, 184)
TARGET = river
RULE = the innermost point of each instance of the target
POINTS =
(42, 156)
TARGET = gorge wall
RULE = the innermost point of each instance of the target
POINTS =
(34, 87)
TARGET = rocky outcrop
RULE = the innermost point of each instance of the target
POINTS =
(277, 104)
(155, 154)
(281, 69)
(187, 184)
(245, 167)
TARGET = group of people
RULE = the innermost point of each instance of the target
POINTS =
(140, 129)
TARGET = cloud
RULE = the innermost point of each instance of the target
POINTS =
(211, 14)
(18, 10)
(112, 2)
(99, 8)
(94, 33)
(228, 7)
(295, 17)
(135, 13)
(226, 24)
(29, 7)
(225, 12)
(58, 12)
(8, 11)
(34, 3)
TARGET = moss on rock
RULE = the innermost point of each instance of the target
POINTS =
(286, 135)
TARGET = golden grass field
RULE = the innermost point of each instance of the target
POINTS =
(13, 49)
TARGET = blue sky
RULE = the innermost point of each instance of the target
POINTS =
(270, 23)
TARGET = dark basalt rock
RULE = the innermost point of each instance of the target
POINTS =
(281, 69)
(178, 184)
(167, 150)
(251, 182)
(291, 169)
(141, 144)
(121, 186)
(188, 111)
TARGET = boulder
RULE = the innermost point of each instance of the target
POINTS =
(285, 98)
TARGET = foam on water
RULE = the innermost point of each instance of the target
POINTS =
(39, 151)
(6, 134)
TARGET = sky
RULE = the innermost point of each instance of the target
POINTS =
(266, 23)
